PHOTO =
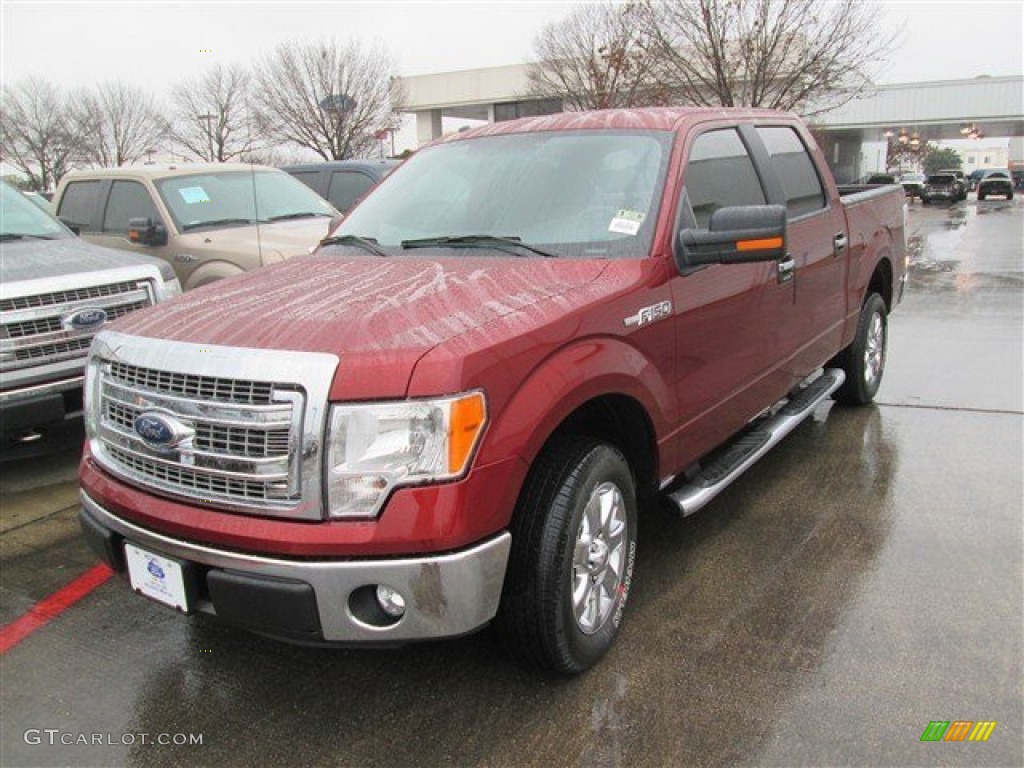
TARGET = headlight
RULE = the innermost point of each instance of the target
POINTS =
(375, 447)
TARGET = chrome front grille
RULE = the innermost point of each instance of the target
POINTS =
(191, 385)
(192, 482)
(240, 442)
(33, 330)
(71, 296)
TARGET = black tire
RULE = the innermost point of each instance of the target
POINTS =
(537, 618)
(925, 200)
(863, 361)
(981, 196)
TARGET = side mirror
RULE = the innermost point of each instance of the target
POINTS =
(735, 235)
(145, 231)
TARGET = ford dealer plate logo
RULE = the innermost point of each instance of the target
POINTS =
(162, 432)
(88, 319)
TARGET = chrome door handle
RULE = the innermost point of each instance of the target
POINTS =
(786, 268)
(840, 243)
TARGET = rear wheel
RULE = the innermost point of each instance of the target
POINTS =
(573, 544)
(863, 361)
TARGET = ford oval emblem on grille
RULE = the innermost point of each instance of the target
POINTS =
(88, 319)
(161, 431)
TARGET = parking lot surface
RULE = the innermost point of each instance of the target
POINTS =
(860, 582)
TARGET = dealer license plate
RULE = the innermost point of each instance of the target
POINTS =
(156, 577)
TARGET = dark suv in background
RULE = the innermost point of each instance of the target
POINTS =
(996, 182)
(343, 183)
(943, 186)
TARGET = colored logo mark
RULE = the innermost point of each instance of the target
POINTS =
(958, 730)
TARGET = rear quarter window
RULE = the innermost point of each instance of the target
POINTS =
(79, 203)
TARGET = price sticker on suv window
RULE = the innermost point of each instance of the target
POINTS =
(192, 195)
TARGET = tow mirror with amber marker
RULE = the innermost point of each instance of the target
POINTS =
(735, 235)
(145, 231)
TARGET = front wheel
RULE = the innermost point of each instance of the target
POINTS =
(863, 361)
(571, 564)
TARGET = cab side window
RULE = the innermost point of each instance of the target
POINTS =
(795, 168)
(309, 178)
(347, 188)
(128, 200)
(79, 202)
(720, 174)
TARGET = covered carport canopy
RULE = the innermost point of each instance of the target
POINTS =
(936, 111)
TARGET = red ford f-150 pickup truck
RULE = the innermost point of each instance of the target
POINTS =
(446, 415)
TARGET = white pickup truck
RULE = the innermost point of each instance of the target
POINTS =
(56, 293)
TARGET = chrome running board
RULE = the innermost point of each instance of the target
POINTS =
(754, 443)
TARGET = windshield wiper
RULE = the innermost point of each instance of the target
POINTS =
(477, 240)
(301, 215)
(366, 243)
(215, 223)
(22, 235)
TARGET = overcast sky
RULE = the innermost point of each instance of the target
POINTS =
(159, 44)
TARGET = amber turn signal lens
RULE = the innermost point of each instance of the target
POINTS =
(764, 244)
(468, 415)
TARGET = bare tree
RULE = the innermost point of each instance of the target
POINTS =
(804, 55)
(122, 123)
(38, 134)
(327, 96)
(211, 118)
(595, 58)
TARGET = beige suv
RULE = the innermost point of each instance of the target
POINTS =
(209, 220)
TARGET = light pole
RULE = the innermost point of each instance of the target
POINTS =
(208, 120)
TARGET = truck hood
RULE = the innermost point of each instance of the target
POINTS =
(379, 315)
(277, 240)
(36, 259)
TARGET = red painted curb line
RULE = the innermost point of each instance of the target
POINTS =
(52, 606)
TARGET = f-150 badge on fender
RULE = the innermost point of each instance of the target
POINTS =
(649, 314)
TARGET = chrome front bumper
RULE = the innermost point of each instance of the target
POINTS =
(445, 595)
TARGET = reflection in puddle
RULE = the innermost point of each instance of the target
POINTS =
(957, 217)
(994, 206)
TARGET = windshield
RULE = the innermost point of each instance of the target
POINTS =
(20, 217)
(575, 194)
(942, 179)
(227, 199)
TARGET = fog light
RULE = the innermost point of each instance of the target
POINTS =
(392, 603)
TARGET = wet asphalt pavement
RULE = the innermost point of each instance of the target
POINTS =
(862, 580)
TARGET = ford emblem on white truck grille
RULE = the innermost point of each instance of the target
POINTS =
(88, 319)
(160, 431)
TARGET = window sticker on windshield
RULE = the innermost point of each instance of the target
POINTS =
(627, 222)
(194, 195)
